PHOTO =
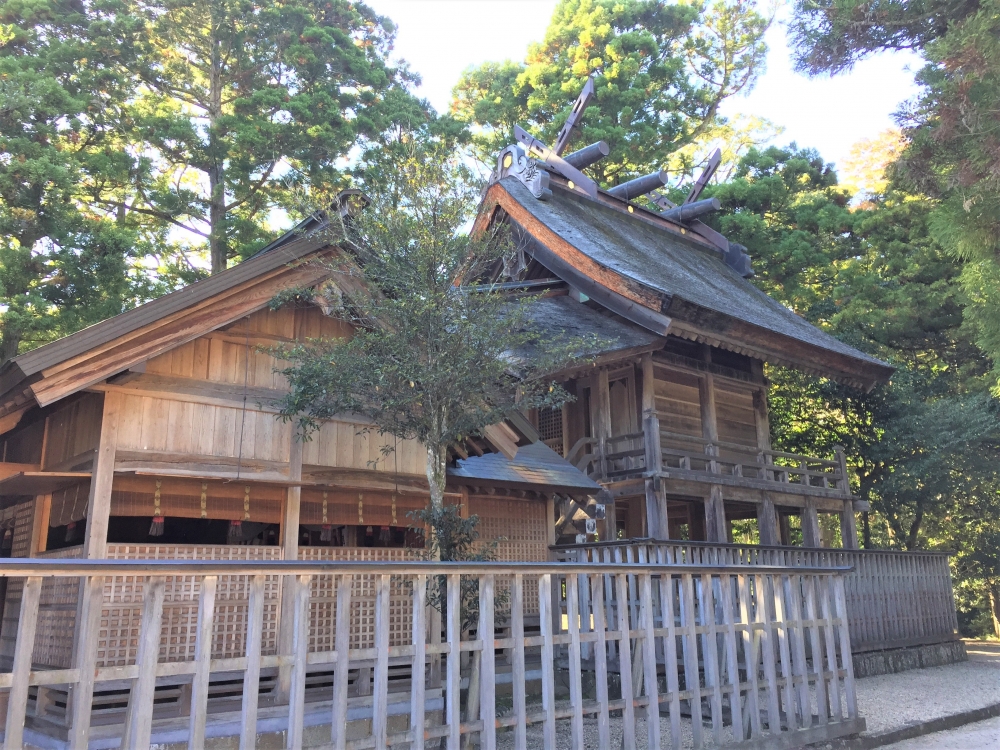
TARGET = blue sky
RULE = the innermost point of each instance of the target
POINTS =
(440, 38)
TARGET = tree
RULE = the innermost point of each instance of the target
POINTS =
(874, 276)
(663, 70)
(831, 35)
(432, 357)
(952, 152)
(244, 100)
(63, 263)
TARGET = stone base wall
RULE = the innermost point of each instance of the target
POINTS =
(915, 657)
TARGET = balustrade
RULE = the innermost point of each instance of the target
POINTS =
(719, 654)
(894, 598)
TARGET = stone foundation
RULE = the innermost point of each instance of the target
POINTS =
(914, 657)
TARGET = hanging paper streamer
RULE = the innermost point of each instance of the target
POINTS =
(204, 499)
(156, 528)
(326, 533)
(394, 510)
(361, 509)
(246, 503)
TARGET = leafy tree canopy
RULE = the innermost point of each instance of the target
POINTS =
(64, 262)
(433, 357)
(663, 70)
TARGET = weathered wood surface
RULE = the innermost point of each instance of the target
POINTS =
(736, 648)
(894, 599)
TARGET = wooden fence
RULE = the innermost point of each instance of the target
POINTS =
(756, 657)
(894, 599)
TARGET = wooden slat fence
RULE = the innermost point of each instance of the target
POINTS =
(682, 655)
(894, 599)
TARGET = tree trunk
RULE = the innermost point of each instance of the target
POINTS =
(216, 171)
(866, 524)
(914, 533)
(995, 606)
(437, 466)
(9, 343)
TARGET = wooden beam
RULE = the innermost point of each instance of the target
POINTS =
(99, 502)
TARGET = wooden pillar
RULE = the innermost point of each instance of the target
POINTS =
(716, 526)
(40, 524)
(656, 509)
(289, 551)
(767, 521)
(550, 527)
(849, 526)
(810, 525)
(650, 421)
(600, 405)
(95, 543)
(715, 506)
(784, 530)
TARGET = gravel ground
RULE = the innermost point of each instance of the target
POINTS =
(892, 701)
(887, 702)
(983, 735)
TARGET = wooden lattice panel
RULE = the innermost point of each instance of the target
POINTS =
(323, 598)
(520, 530)
(20, 519)
(123, 597)
(57, 615)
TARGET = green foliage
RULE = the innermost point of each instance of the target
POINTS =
(64, 262)
(455, 539)
(874, 274)
(430, 359)
(662, 70)
(952, 150)
(243, 102)
(831, 35)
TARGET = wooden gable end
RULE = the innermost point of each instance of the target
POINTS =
(149, 341)
(209, 407)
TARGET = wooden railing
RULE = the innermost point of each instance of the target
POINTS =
(685, 456)
(748, 656)
(752, 466)
(894, 599)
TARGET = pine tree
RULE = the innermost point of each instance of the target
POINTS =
(663, 70)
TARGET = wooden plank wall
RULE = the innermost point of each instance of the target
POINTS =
(233, 357)
(73, 432)
(20, 518)
(678, 404)
(735, 415)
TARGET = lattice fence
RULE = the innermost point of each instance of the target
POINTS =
(323, 598)
(519, 529)
(123, 596)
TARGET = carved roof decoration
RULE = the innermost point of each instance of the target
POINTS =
(665, 271)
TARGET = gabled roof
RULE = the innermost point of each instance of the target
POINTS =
(564, 317)
(663, 271)
(534, 465)
(92, 354)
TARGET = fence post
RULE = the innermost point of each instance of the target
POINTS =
(139, 716)
(17, 700)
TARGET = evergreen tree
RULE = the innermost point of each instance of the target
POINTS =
(953, 144)
(64, 262)
(243, 101)
(663, 70)
(433, 356)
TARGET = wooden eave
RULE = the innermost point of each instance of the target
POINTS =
(659, 312)
(90, 356)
